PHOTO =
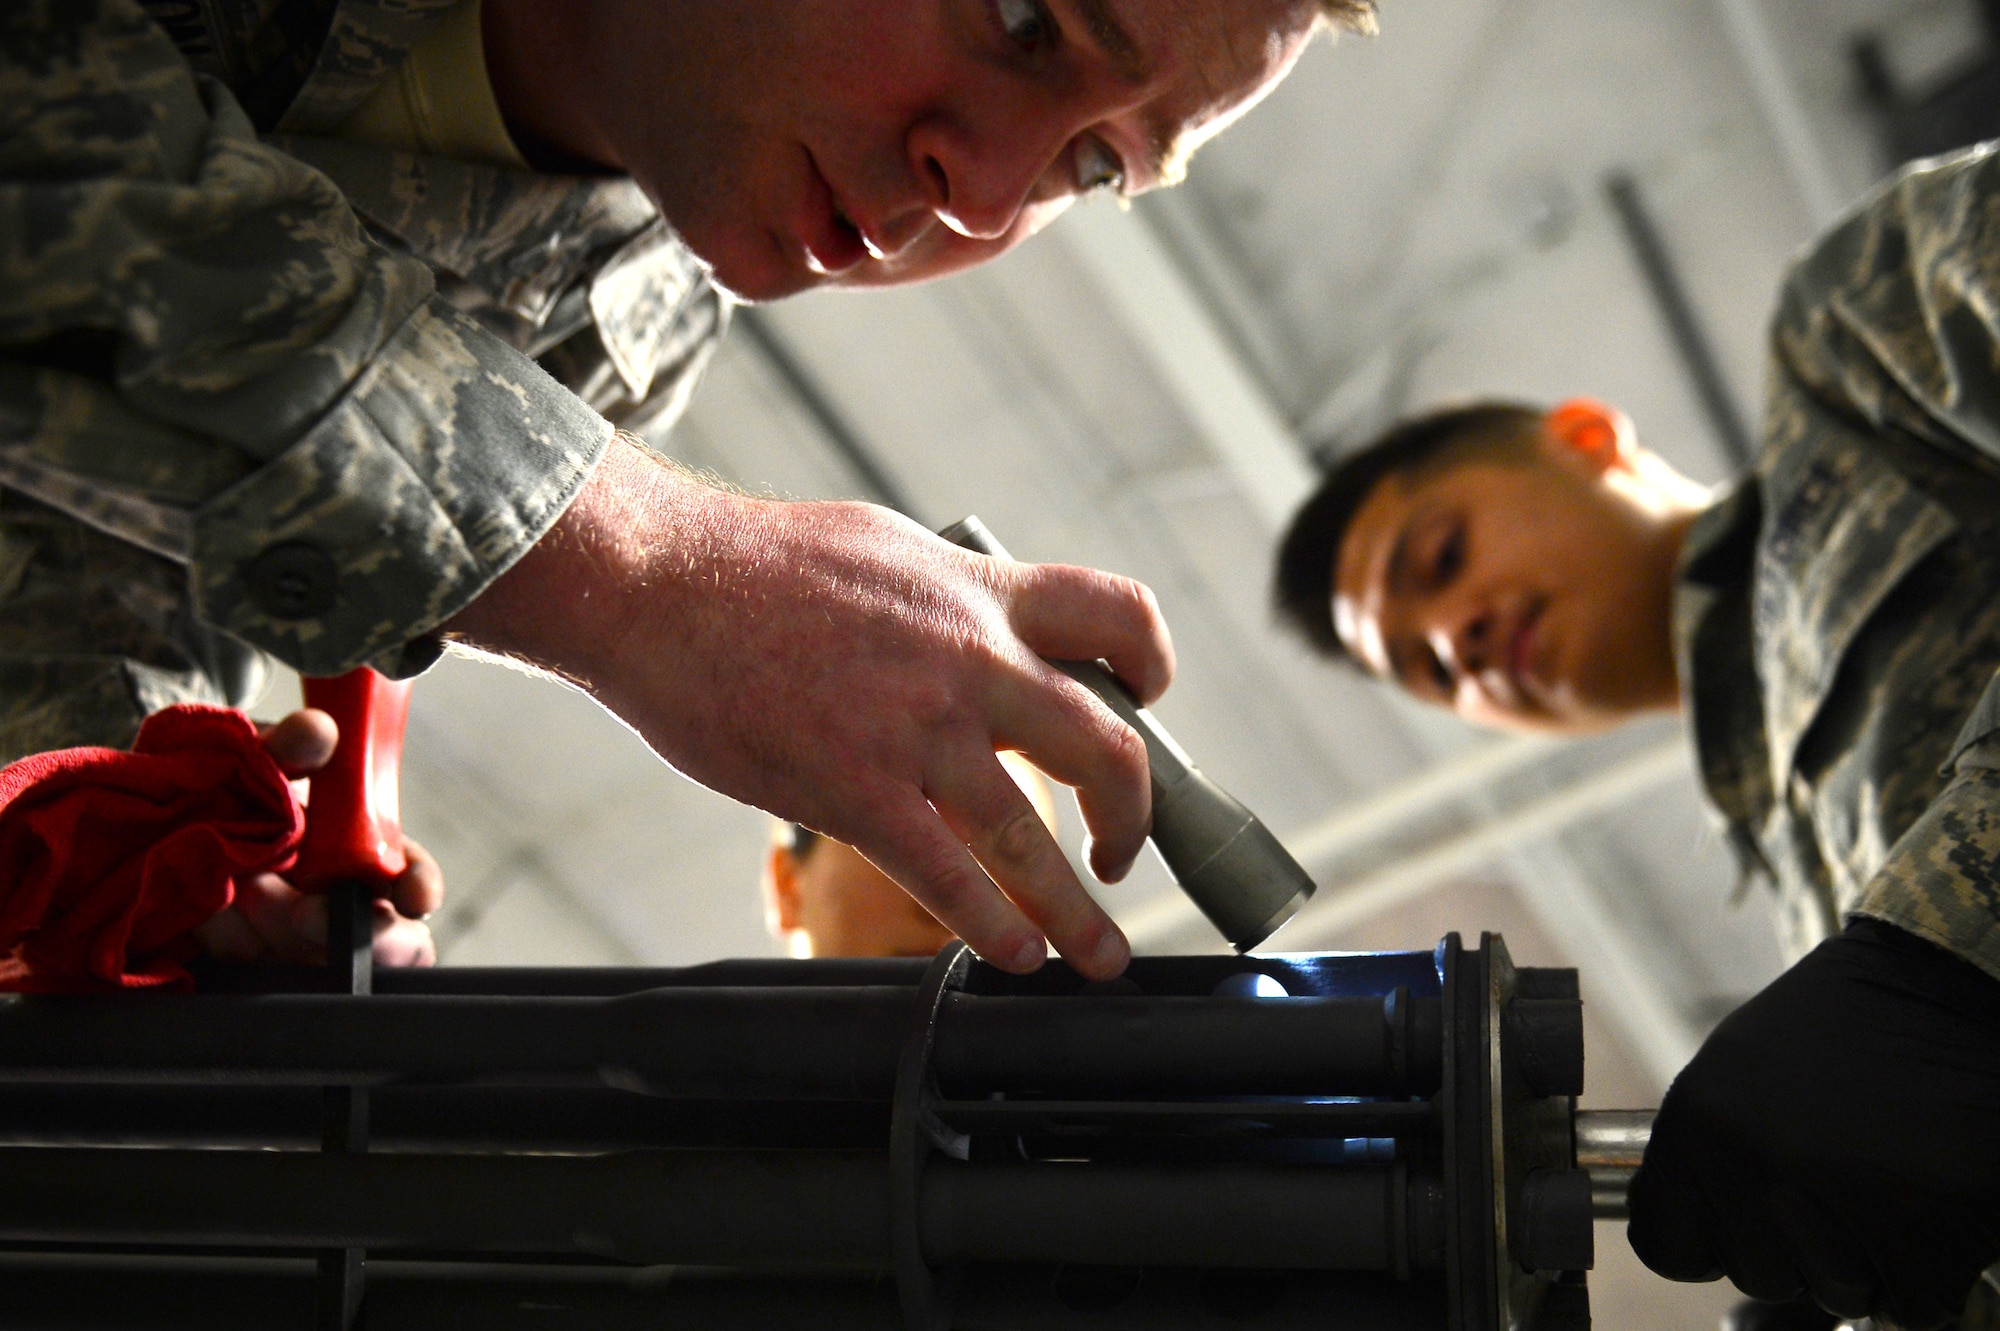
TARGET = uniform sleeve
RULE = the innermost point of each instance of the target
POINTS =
(1941, 880)
(1893, 316)
(193, 324)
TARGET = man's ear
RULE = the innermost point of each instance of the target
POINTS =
(782, 914)
(1595, 432)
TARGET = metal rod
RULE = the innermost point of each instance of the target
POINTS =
(1343, 1120)
(569, 981)
(1610, 1193)
(838, 1044)
(788, 1043)
(425, 1118)
(595, 1119)
(350, 959)
(760, 1209)
(1136, 1047)
(1257, 1216)
(754, 1209)
(1670, 297)
(1610, 1143)
(350, 939)
(1612, 1138)
(103, 1293)
(610, 981)
(100, 1293)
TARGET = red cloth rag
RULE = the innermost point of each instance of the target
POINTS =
(108, 859)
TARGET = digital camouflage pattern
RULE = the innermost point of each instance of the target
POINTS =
(272, 391)
(1839, 612)
(580, 272)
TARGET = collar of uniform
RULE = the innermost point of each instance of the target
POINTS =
(521, 237)
(634, 298)
(367, 41)
(1714, 653)
(524, 239)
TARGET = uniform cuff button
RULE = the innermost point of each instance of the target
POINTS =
(293, 581)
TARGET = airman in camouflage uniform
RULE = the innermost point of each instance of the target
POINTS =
(1838, 623)
(189, 446)
(1831, 626)
(267, 389)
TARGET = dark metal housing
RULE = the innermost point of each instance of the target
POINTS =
(1355, 1142)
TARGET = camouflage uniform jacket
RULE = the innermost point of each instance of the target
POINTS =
(263, 390)
(1838, 616)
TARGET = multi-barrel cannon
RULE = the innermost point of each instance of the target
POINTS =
(1349, 1141)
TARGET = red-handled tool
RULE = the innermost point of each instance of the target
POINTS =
(353, 851)
(354, 829)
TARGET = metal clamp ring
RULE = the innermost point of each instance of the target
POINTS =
(914, 1132)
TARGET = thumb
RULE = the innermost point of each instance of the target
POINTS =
(302, 743)
(1670, 1226)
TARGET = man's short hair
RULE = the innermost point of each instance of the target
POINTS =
(1303, 587)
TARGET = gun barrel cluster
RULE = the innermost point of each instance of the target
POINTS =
(1344, 1141)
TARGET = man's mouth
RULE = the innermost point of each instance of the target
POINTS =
(832, 243)
(1520, 651)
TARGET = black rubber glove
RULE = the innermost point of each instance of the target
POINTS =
(1839, 1136)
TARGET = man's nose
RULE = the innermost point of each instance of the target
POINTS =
(978, 175)
(1463, 640)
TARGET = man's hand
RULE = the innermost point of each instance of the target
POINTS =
(840, 667)
(271, 921)
(1838, 1135)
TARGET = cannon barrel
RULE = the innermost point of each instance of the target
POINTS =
(1352, 1141)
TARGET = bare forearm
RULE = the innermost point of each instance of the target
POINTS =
(569, 606)
(841, 667)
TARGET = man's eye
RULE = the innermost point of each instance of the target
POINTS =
(1450, 557)
(1025, 22)
(1097, 167)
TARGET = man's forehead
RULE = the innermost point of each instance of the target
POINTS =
(1362, 570)
(1106, 29)
(1218, 57)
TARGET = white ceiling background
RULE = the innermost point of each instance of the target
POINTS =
(1409, 219)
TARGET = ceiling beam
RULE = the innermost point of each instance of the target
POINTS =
(1191, 357)
(1359, 854)
(1784, 112)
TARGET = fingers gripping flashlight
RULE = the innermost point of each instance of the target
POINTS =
(1227, 862)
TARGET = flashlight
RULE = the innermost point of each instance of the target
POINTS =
(1228, 863)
